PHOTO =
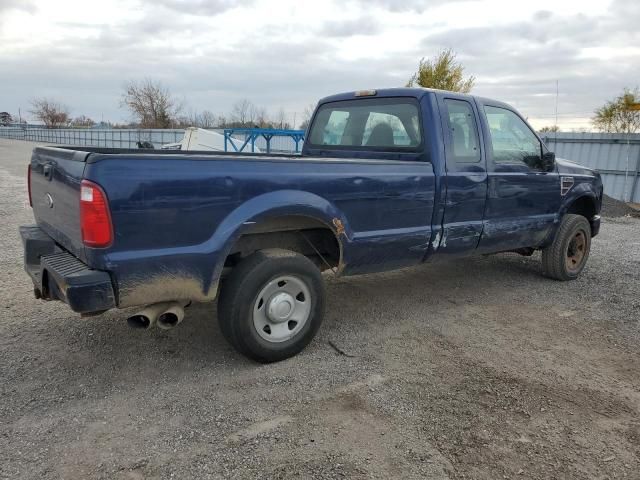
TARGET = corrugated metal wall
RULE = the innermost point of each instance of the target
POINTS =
(616, 156)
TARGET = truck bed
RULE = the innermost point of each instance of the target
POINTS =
(176, 215)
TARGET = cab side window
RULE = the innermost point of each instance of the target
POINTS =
(463, 132)
(512, 140)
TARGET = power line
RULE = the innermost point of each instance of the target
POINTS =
(561, 114)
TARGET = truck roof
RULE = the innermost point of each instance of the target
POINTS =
(415, 92)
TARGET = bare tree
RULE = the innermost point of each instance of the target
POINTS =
(240, 112)
(254, 113)
(549, 128)
(151, 104)
(49, 112)
(82, 122)
(192, 118)
(17, 118)
(204, 119)
(207, 119)
(243, 113)
(222, 122)
(281, 119)
(306, 116)
(261, 118)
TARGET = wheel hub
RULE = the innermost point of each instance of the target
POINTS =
(280, 307)
(576, 251)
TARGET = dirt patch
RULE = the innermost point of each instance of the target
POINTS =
(492, 423)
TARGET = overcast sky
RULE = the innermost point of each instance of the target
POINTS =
(212, 53)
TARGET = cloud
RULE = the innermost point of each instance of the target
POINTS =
(520, 62)
(398, 6)
(347, 28)
(200, 7)
(542, 15)
(28, 6)
(213, 54)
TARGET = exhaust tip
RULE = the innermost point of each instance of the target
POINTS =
(168, 320)
(139, 321)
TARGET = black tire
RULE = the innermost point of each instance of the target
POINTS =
(567, 255)
(238, 297)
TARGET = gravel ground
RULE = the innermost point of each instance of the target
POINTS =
(478, 369)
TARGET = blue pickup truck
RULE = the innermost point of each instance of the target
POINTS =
(387, 179)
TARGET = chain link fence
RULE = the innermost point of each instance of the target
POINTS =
(282, 141)
(108, 138)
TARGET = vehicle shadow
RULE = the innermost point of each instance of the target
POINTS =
(354, 303)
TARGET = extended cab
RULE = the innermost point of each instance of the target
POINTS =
(386, 179)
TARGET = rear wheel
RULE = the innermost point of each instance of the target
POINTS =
(567, 256)
(271, 305)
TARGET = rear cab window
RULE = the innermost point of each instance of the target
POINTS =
(463, 139)
(378, 124)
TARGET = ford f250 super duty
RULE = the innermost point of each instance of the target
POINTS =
(387, 179)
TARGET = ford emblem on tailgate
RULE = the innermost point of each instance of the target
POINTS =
(49, 200)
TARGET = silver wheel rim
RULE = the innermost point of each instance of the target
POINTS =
(281, 309)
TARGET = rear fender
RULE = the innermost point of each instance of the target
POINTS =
(272, 205)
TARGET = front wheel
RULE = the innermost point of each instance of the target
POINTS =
(567, 256)
(271, 305)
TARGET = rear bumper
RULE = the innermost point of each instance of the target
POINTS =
(58, 275)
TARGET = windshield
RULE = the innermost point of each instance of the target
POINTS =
(373, 123)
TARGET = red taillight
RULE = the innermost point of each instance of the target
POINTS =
(29, 184)
(95, 220)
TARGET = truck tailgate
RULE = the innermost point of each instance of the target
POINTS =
(55, 178)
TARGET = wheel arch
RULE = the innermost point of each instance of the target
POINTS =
(287, 211)
(301, 233)
(585, 204)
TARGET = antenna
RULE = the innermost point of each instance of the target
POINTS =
(556, 129)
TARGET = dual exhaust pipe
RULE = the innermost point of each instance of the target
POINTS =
(164, 315)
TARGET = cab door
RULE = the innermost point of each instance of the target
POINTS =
(466, 179)
(523, 198)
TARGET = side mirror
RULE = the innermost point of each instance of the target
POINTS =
(548, 161)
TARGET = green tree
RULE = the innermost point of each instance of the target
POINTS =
(620, 115)
(5, 118)
(442, 72)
